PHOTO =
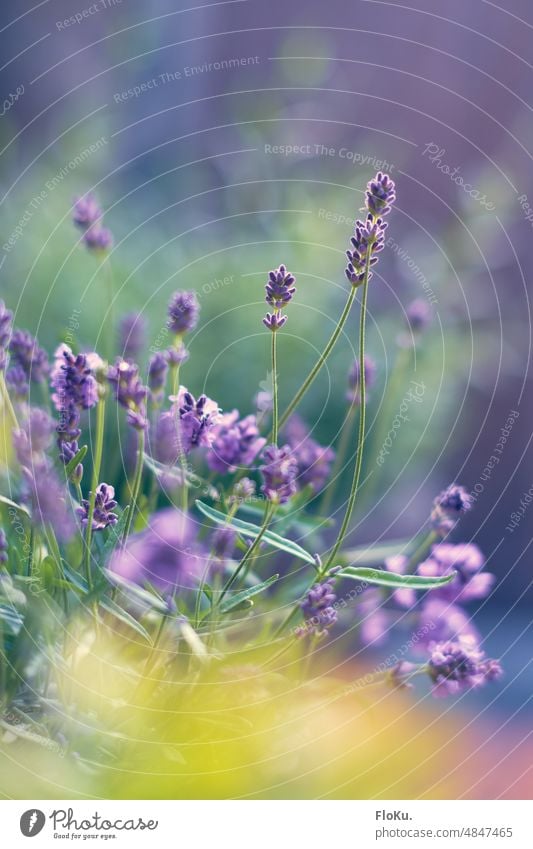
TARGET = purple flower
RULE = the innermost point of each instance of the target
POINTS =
(132, 335)
(274, 321)
(314, 460)
(4, 548)
(183, 312)
(368, 240)
(448, 507)
(418, 315)
(129, 391)
(86, 211)
(103, 506)
(165, 439)
(457, 666)
(26, 353)
(72, 381)
(17, 382)
(440, 621)
(67, 452)
(405, 597)
(380, 194)
(5, 333)
(400, 674)
(279, 472)
(98, 239)
(318, 611)
(177, 354)
(166, 554)
(197, 420)
(34, 438)
(280, 288)
(223, 543)
(46, 496)
(354, 375)
(236, 442)
(157, 375)
(242, 491)
(467, 561)
(375, 620)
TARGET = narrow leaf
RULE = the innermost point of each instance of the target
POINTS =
(137, 592)
(245, 595)
(125, 617)
(20, 507)
(247, 529)
(71, 465)
(393, 581)
(114, 535)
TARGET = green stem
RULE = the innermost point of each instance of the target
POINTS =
(7, 401)
(274, 391)
(362, 417)
(421, 551)
(199, 594)
(338, 467)
(97, 463)
(136, 486)
(321, 360)
(229, 583)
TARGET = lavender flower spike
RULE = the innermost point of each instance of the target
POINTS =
(236, 442)
(26, 353)
(5, 333)
(98, 239)
(132, 332)
(157, 375)
(457, 666)
(183, 312)
(129, 391)
(279, 471)
(380, 195)
(197, 420)
(354, 378)
(86, 211)
(448, 507)
(103, 507)
(280, 288)
(368, 240)
(318, 611)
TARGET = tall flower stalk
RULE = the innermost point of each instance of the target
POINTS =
(279, 289)
(97, 464)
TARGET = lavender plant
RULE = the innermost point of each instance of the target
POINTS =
(194, 550)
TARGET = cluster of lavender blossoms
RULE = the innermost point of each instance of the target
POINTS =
(231, 461)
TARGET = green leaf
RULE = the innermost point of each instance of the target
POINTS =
(393, 581)
(125, 617)
(12, 620)
(9, 503)
(114, 535)
(249, 530)
(138, 592)
(245, 595)
(71, 465)
(372, 555)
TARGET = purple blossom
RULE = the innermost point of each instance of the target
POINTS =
(6, 317)
(467, 561)
(223, 543)
(25, 352)
(236, 442)
(280, 288)
(73, 383)
(318, 611)
(418, 315)
(457, 666)
(274, 321)
(197, 420)
(400, 674)
(354, 375)
(17, 382)
(314, 460)
(132, 335)
(4, 548)
(98, 239)
(448, 507)
(375, 620)
(242, 491)
(177, 354)
(157, 375)
(46, 497)
(86, 211)
(103, 506)
(380, 194)
(67, 452)
(127, 385)
(368, 240)
(279, 472)
(165, 439)
(166, 553)
(440, 621)
(183, 312)
(32, 440)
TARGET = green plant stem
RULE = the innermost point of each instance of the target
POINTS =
(321, 360)
(274, 391)
(362, 418)
(97, 463)
(249, 552)
(7, 401)
(199, 594)
(136, 486)
(421, 551)
(338, 466)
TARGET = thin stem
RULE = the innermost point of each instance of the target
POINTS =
(274, 391)
(229, 583)
(200, 592)
(421, 551)
(321, 360)
(136, 486)
(110, 291)
(7, 401)
(362, 418)
(97, 463)
(338, 467)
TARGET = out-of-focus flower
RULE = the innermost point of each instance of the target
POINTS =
(26, 352)
(104, 505)
(6, 317)
(242, 491)
(263, 401)
(280, 288)
(279, 472)
(183, 312)
(317, 609)
(448, 507)
(86, 211)
(314, 460)
(467, 561)
(177, 354)
(98, 239)
(223, 544)
(17, 382)
(236, 443)
(457, 666)
(165, 439)
(418, 316)
(375, 620)
(400, 674)
(73, 382)
(46, 497)
(165, 554)
(157, 375)
(440, 622)
(67, 452)
(197, 420)
(4, 548)
(129, 391)
(132, 335)
(380, 194)
(33, 438)
(353, 395)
